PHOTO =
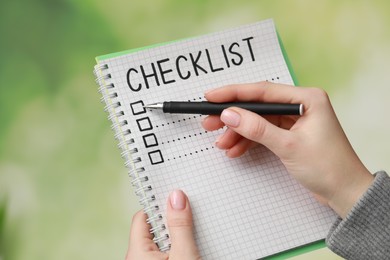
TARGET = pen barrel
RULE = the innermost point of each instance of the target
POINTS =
(208, 108)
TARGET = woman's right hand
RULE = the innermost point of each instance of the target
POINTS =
(313, 147)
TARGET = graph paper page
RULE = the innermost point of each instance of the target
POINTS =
(244, 208)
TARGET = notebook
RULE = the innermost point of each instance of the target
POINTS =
(244, 208)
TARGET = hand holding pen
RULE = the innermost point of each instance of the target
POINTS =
(313, 147)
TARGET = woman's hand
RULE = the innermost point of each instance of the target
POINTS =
(179, 220)
(313, 147)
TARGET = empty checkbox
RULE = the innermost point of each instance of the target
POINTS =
(156, 157)
(144, 124)
(150, 140)
(137, 107)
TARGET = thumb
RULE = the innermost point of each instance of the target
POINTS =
(255, 128)
(180, 225)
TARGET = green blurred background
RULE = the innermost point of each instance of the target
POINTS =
(64, 192)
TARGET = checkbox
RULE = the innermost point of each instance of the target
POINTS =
(156, 157)
(137, 107)
(144, 124)
(150, 140)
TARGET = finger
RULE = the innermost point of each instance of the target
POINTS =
(140, 236)
(228, 139)
(211, 123)
(259, 92)
(179, 220)
(255, 128)
(239, 148)
(285, 122)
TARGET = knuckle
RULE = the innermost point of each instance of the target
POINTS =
(257, 130)
(319, 94)
(179, 222)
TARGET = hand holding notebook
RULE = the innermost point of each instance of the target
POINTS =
(180, 225)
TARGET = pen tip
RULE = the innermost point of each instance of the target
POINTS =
(153, 106)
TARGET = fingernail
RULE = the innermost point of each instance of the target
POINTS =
(208, 91)
(217, 140)
(178, 200)
(230, 118)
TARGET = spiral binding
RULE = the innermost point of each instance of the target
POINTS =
(126, 144)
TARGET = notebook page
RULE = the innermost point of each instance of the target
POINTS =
(244, 208)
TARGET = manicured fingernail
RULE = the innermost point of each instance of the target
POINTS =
(230, 118)
(178, 200)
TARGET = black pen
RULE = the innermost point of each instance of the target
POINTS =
(209, 108)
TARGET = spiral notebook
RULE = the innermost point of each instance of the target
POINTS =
(244, 208)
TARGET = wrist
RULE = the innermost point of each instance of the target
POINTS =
(350, 191)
